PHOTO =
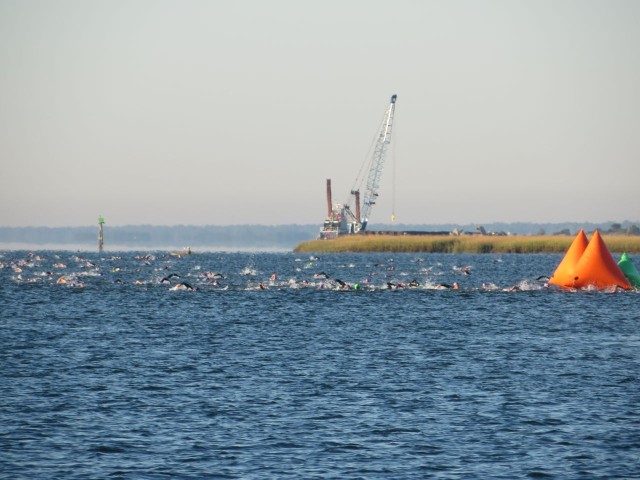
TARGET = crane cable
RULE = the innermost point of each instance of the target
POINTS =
(368, 160)
(393, 172)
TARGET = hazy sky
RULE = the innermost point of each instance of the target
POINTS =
(236, 112)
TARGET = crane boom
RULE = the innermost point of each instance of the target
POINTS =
(377, 162)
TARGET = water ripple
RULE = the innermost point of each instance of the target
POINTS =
(118, 380)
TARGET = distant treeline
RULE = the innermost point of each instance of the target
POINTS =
(522, 228)
(262, 236)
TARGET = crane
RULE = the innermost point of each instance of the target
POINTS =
(377, 163)
(340, 218)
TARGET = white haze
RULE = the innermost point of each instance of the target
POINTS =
(211, 112)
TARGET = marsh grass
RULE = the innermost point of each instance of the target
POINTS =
(462, 244)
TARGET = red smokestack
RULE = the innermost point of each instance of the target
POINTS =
(357, 194)
(329, 203)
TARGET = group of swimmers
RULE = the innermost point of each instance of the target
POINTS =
(116, 270)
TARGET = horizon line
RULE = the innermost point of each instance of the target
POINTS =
(267, 225)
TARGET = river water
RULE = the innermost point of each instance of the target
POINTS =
(266, 369)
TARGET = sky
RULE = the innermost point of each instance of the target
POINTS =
(236, 112)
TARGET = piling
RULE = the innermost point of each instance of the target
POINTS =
(100, 233)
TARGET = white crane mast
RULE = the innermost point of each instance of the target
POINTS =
(377, 163)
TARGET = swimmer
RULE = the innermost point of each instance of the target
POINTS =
(466, 270)
(168, 278)
(212, 275)
(183, 286)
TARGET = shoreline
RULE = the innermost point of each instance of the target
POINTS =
(460, 244)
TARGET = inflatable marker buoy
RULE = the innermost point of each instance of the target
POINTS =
(594, 268)
(629, 270)
(597, 267)
(564, 276)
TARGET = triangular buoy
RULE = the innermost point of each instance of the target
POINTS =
(597, 268)
(564, 276)
(629, 270)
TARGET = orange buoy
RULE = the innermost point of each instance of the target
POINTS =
(564, 276)
(597, 267)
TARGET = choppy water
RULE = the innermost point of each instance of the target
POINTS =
(115, 375)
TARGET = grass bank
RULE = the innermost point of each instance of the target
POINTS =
(462, 244)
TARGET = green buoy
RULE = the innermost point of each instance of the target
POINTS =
(629, 270)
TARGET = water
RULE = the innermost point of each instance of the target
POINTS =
(106, 378)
